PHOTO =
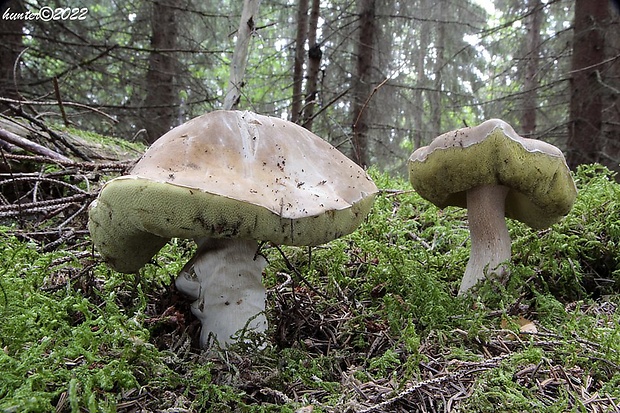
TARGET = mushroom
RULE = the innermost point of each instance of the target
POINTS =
(494, 173)
(228, 179)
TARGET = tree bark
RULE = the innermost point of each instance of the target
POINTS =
(161, 100)
(440, 61)
(314, 65)
(362, 87)
(586, 106)
(611, 96)
(10, 48)
(247, 25)
(532, 59)
(299, 60)
(419, 135)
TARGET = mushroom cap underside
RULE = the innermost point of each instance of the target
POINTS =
(134, 217)
(541, 188)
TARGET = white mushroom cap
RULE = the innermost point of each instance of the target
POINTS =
(230, 174)
(541, 189)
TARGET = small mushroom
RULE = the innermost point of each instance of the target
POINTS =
(228, 179)
(494, 173)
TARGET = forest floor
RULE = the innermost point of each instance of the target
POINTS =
(367, 323)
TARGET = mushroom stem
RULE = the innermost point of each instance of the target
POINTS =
(225, 280)
(490, 240)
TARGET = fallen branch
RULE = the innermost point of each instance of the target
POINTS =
(32, 147)
(52, 136)
(88, 166)
(14, 210)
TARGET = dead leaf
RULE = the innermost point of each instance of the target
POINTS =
(526, 326)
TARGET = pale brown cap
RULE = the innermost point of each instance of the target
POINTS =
(542, 189)
(230, 174)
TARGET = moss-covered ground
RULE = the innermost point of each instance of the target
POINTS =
(366, 323)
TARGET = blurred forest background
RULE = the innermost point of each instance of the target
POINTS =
(377, 79)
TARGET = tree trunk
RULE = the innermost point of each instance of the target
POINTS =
(161, 99)
(419, 134)
(611, 96)
(10, 48)
(586, 106)
(532, 59)
(298, 63)
(247, 25)
(440, 61)
(314, 65)
(362, 87)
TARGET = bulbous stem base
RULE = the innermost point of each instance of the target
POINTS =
(225, 280)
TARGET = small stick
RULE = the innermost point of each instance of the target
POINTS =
(60, 105)
(30, 146)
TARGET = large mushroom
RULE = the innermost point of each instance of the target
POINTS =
(227, 179)
(494, 173)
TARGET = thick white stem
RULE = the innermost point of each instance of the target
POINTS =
(225, 280)
(490, 240)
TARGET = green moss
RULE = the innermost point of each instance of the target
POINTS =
(60, 342)
(375, 311)
(106, 146)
